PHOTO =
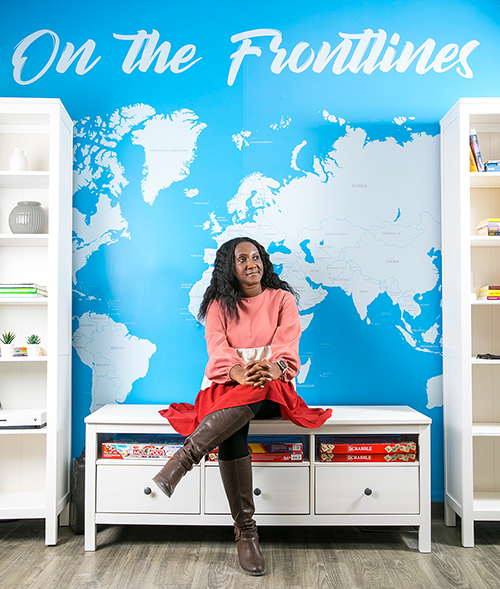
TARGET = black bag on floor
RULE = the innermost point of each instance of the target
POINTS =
(77, 501)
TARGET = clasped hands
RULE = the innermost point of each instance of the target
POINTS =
(256, 373)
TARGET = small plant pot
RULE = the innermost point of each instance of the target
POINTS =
(7, 350)
(33, 350)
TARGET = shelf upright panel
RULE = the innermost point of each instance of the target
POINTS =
(59, 317)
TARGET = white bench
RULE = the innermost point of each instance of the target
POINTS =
(296, 494)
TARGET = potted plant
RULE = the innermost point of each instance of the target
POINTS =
(6, 344)
(33, 345)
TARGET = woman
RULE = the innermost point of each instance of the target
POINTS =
(252, 329)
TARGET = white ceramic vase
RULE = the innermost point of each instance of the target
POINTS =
(7, 350)
(33, 350)
(19, 160)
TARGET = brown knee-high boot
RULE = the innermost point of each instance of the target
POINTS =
(213, 429)
(237, 479)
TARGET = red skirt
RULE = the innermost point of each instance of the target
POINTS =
(185, 417)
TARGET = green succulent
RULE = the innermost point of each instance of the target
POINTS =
(33, 340)
(8, 337)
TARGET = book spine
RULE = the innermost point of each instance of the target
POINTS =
(20, 290)
(279, 447)
(22, 285)
(20, 296)
(265, 448)
(474, 143)
(22, 293)
(472, 160)
(278, 457)
(267, 457)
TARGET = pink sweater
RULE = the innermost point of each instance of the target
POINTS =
(269, 319)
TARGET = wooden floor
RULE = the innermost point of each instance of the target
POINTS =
(142, 557)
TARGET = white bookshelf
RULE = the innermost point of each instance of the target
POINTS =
(470, 326)
(34, 463)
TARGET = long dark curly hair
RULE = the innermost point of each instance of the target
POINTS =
(224, 286)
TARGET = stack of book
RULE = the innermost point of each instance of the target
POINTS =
(22, 290)
(489, 226)
(492, 166)
(489, 293)
(476, 159)
(289, 449)
(130, 447)
(367, 449)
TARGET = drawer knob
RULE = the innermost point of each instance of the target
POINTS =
(147, 491)
(257, 491)
(368, 491)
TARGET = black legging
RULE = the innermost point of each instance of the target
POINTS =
(236, 446)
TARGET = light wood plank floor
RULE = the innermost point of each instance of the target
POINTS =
(143, 557)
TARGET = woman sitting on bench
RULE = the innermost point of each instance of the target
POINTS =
(252, 328)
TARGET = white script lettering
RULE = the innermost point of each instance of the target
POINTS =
(356, 52)
(184, 54)
(66, 59)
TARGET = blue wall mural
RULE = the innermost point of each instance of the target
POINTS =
(313, 128)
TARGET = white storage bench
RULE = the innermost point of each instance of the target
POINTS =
(286, 493)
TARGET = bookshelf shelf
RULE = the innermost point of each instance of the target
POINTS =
(486, 429)
(480, 361)
(24, 240)
(19, 359)
(485, 179)
(485, 241)
(22, 505)
(23, 432)
(487, 506)
(483, 302)
(24, 180)
(24, 301)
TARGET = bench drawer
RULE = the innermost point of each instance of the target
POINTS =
(120, 489)
(341, 489)
(284, 490)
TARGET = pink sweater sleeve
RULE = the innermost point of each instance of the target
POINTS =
(285, 343)
(221, 357)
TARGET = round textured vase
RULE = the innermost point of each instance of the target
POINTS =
(28, 217)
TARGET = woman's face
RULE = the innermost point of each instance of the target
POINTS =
(248, 268)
